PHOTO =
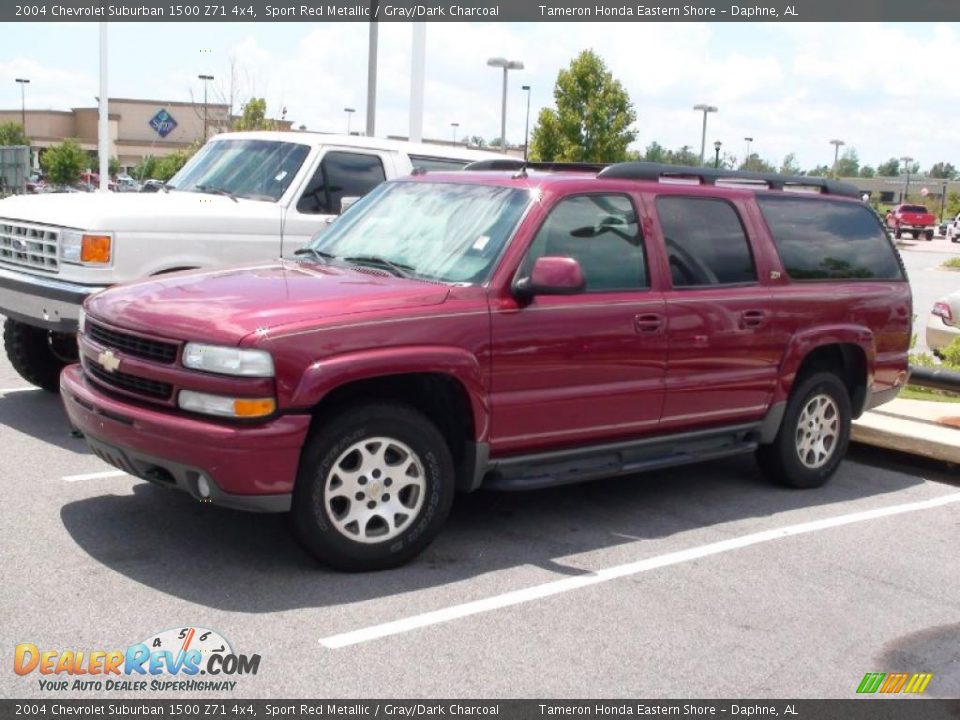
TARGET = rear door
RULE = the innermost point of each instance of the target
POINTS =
(340, 174)
(723, 356)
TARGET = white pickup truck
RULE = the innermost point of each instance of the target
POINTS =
(243, 197)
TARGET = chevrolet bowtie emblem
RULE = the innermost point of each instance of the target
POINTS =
(108, 361)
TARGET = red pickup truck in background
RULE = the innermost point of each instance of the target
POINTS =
(914, 219)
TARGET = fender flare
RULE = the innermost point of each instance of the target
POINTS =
(329, 373)
(806, 341)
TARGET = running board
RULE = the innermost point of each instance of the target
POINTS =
(563, 467)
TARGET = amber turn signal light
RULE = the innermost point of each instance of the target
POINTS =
(95, 249)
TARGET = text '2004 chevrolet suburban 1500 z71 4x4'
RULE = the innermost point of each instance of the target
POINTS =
(505, 328)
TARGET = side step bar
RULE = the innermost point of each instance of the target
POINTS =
(562, 467)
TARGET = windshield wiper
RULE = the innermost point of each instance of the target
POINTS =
(216, 191)
(319, 254)
(398, 269)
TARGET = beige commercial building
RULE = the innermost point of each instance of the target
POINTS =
(138, 128)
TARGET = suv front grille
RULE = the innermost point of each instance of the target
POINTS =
(140, 347)
(32, 246)
(131, 383)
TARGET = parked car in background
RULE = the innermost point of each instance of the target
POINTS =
(943, 325)
(953, 229)
(242, 197)
(506, 329)
(151, 186)
(914, 219)
(125, 183)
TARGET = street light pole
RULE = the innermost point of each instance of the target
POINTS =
(716, 157)
(703, 137)
(206, 79)
(836, 153)
(746, 160)
(23, 103)
(943, 199)
(507, 65)
(454, 125)
(349, 112)
(526, 131)
(906, 160)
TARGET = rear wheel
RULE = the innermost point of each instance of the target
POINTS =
(375, 485)
(38, 355)
(814, 435)
(898, 233)
(929, 235)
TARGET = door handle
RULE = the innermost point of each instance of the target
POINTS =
(753, 318)
(648, 323)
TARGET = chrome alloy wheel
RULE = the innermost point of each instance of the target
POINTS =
(375, 490)
(817, 431)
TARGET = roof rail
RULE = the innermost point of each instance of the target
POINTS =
(711, 176)
(517, 164)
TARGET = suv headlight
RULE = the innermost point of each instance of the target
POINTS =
(86, 248)
(228, 360)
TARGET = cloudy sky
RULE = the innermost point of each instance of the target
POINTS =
(884, 89)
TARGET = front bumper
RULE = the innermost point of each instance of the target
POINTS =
(249, 467)
(41, 301)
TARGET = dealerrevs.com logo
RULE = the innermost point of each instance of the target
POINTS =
(185, 659)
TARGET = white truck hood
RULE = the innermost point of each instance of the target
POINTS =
(110, 211)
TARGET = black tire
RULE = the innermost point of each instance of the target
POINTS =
(329, 444)
(38, 355)
(780, 461)
(898, 233)
(929, 235)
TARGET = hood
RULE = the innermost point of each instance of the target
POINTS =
(224, 306)
(112, 211)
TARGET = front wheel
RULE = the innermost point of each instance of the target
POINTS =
(898, 233)
(375, 485)
(929, 235)
(814, 435)
(38, 355)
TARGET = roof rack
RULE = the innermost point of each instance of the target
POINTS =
(517, 164)
(714, 176)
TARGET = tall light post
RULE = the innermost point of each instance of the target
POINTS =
(705, 109)
(507, 65)
(454, 125)
(716, 153)
(746, 161)
(349, 112)
(23, 103)
(836, 153)
(206, 79)
(526, 130)
(906, 160)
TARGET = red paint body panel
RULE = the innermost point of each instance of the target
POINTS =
(549, 372)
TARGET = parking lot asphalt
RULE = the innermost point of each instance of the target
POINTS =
(703, 581)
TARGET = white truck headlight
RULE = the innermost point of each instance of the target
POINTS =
(228, 360)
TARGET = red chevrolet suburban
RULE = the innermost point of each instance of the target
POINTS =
(512, 327)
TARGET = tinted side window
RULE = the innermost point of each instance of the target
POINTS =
(340, 175)
(435, 163)
(600, 232)
(705, 242)
(823, 239)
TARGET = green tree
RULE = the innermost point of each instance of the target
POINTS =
(943, 171)
(756, 164)
(254, 116)
(11, 133)
(63, 163)
(477, 141)
(167, 166)
(819, 171)
(145, 169)
(866, 171)
(684, 156)
(789, 165)
(592, 118)
(848, 164)
(656, 152)
(891, 168)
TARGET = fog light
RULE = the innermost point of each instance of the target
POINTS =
(203, 486)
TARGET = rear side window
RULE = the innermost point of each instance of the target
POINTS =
(340, 175)
(705, 242)
(913, 209)
(828, 240)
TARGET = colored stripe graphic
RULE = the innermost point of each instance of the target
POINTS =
(918, 683)
(892, 683)
(871, 682)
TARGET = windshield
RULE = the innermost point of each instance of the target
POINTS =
(441, 231)
(253, 169)
(914, 209)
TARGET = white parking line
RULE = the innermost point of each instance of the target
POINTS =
(517, 597)
(95, 475)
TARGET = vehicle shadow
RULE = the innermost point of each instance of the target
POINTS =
(235, 561)
(40, 415)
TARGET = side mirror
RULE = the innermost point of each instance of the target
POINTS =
(551, 276)
(347, 201)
